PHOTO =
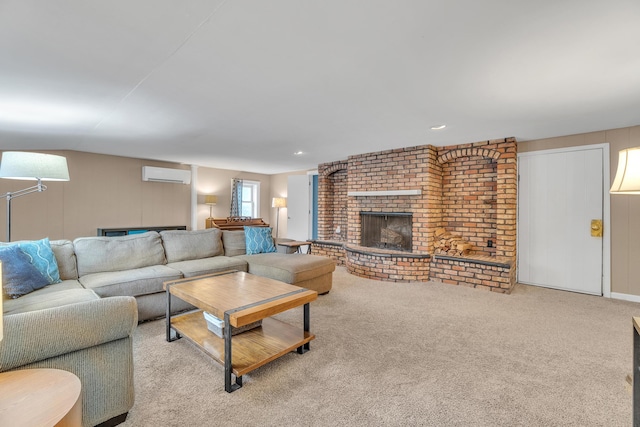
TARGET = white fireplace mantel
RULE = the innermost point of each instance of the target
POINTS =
(384, 193)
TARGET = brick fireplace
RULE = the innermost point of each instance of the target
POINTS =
(386, 230)
(470, 190)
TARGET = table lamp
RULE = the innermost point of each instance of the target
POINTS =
(211, 201)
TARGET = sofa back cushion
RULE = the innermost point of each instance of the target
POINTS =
(183, 245)
(234, 243)
(66, 258)
(102, 254)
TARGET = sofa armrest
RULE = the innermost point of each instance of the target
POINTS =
(38, 335)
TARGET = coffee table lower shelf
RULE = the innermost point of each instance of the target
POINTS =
(251, 349)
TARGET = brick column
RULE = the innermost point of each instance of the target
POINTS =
(507, 200)
(431, 179)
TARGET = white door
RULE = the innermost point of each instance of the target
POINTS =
(560, 192)
(298, 202)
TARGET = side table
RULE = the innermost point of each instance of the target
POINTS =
(40, 397)
(296, 244)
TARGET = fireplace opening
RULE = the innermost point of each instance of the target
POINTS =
(386, 230)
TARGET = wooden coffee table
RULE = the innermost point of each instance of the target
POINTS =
(240, 298)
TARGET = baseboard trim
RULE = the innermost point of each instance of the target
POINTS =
(625, 297)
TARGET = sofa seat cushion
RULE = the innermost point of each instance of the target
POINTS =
(216, 264)
(289, 268)
(47, 298)
(139, 281)
(62, 286)
(183, 245)
(115, 254)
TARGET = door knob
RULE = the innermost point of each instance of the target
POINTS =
(596, 228)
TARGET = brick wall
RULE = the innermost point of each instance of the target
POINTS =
(330, 250)
(413, 168)
(387, 267)
(491, 277)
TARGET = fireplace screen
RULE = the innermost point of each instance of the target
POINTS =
(386, 230)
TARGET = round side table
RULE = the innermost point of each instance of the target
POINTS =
(40, 397)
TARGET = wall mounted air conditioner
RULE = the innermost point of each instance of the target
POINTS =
(176, 176)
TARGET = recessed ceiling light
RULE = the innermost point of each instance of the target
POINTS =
(298, 153)
(439, 127)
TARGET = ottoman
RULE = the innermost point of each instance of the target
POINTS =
(307, 271)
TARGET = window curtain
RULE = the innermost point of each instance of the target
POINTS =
(236, 197)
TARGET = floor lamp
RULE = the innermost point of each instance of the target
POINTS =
(31, 167)
(1, 302)
(278, 202)
(627, 181)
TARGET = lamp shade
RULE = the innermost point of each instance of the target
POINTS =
(33, 166)
(210, 200)
(279, 202)
(627, 179)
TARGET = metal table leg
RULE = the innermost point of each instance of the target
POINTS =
(171, 334)
(307, 318)
(228, 368)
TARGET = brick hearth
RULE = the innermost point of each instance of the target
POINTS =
(470, 190)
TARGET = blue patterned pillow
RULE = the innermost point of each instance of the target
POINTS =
(258, 240)
(42, 258)
(19, 276)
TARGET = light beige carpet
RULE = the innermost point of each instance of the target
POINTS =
(391, 354)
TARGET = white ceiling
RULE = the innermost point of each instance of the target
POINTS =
(243, 84)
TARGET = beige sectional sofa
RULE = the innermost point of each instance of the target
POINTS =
(137, 265)
(65, 326)
(85, 323)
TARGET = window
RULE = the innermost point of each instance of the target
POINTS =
(251, 198)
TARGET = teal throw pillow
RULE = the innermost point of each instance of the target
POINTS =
(19, 276)
(42, 258)
(259, 240)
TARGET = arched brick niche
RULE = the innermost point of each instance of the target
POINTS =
(332, 201)
(473, 171)
(455, 153)
(469, 197)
